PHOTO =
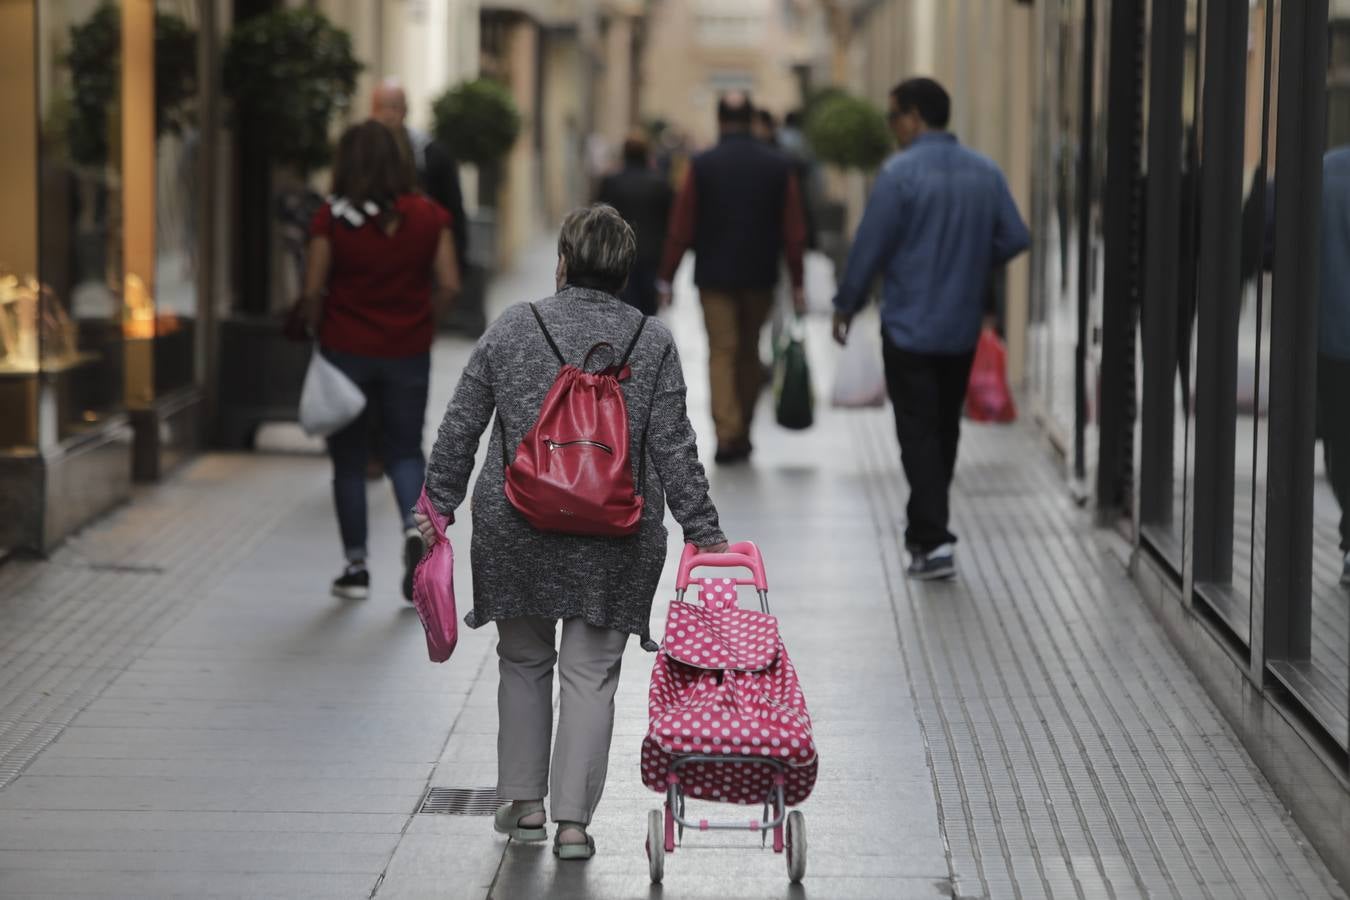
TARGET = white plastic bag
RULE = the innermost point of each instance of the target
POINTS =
(329, 401)
(860, 379)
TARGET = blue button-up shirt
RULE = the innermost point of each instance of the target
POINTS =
(940, 217)
(1333, 320)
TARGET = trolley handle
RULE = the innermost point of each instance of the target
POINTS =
(744, 555)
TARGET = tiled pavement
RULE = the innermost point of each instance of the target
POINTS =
(183, 710)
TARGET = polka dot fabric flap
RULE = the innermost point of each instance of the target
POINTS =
(724, 686)
(719, 634)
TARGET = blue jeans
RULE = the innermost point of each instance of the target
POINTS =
(396, 394)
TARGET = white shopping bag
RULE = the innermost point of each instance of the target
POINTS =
(860, 379)
(329, 401)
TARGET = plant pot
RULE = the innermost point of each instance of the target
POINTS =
(469, 314)
(260, 376)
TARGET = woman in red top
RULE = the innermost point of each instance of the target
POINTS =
(380, 257)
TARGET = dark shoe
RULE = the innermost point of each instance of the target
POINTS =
(936, 564)
(738, 451)
(413, 550)
(353, 584)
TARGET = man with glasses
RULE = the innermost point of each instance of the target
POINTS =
(939, 220)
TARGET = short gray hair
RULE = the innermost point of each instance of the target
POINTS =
(598, 247)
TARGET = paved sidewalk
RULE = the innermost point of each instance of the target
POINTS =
(184, 711)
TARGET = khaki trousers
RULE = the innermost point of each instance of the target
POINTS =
(734, 320)
(588, 662)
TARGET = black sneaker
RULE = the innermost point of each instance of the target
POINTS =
(413, 550)
(736, 452)
(936, 564)
(353, 584)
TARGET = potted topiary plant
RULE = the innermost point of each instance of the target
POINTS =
(850, 133)
(95, 46)
(288, 73)
(478, 123)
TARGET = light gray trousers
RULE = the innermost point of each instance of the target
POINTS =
(588, 661)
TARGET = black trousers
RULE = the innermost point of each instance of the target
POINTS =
(928, 392)
(1333, 427)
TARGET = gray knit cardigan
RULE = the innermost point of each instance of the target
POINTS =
(518, 570)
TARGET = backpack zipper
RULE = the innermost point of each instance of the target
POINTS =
(554, 446)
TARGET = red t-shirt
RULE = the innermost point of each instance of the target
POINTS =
(379, 287)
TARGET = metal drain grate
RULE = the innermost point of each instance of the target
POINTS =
(460, 801)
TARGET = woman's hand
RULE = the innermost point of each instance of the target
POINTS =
(423, 523)
(715, 548)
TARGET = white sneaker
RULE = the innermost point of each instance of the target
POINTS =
(936, 564)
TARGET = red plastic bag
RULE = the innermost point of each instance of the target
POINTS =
(988, 398)
(434, 588)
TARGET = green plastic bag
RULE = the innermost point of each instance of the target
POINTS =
(794, 401)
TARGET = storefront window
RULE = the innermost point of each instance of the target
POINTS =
(1326, 671)
(1055, 317)
(1188, 267)
(1253, 337)
(1170, 266)
(77, 326)
(1232, 288)
(178, 191)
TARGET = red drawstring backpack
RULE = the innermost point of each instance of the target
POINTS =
(988, 397)
(571, 473)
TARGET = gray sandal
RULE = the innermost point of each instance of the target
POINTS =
(507, 821)
(572, 851)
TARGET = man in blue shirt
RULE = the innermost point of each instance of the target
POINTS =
(1333, 337)
(939, 220)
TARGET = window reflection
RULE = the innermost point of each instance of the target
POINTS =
(178, 188)
(1329, 652)
(1257, 242)
(1054, 329)
(78, 318)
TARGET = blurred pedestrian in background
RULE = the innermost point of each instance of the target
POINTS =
(436, 171)
(526, 580)
(379, 251)
(792, 140)
(939, 220)
(644, 199)
(740, 210)
(765, 127)
(436, 174)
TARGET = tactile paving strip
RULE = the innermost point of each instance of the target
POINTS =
(72, 624)
(1072, 752)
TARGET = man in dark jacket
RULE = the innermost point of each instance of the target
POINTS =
(740, 210)
(644, 199)
(437, 172)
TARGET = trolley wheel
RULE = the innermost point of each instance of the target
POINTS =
(796, 846)
(656, 845)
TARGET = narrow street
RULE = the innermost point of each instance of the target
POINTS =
(185, 711)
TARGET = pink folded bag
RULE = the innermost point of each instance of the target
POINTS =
(434, 588)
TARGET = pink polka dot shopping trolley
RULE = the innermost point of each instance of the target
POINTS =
(727, 719)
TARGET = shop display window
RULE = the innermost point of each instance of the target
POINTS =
(1316, 664)
(169, 315)
(60, 320)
